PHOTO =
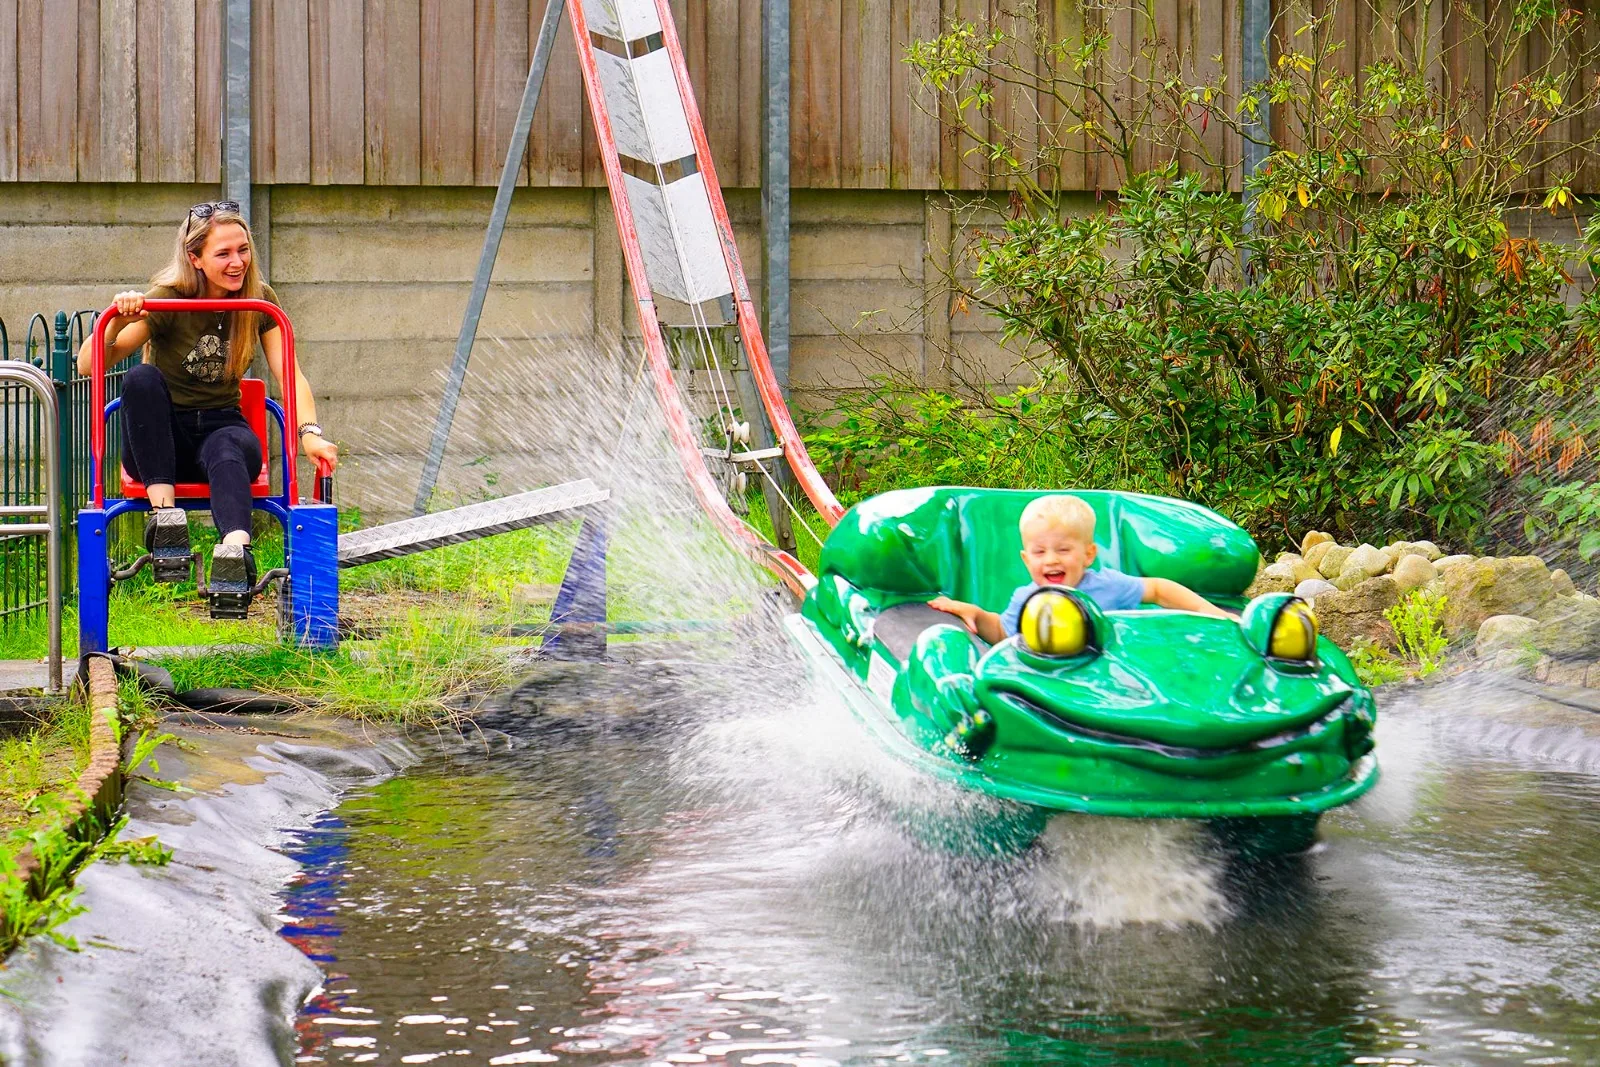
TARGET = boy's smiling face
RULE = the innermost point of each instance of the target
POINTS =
(1055, 554)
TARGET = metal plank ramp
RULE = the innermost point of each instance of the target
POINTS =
(470, 522)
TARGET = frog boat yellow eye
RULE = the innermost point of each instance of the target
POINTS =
(1054, 623)
(1281, 627)
(1294, 633)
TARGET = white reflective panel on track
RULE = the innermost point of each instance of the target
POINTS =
(647, 116)
(622, 20)
(696, 231)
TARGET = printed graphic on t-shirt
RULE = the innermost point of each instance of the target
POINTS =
(206, 361)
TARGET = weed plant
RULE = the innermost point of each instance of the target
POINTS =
(1418, 621)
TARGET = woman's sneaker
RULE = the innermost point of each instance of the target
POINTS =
(233, 576)
(166, 538)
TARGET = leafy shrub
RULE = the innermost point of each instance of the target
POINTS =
(1372, 346)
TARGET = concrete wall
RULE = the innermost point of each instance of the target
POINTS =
(376, 280)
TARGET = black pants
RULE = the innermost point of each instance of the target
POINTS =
(165, 444)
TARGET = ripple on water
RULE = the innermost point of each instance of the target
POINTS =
(703, 869)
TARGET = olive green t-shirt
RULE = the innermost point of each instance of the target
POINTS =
(190, 349)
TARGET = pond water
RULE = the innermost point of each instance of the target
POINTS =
(692, 873)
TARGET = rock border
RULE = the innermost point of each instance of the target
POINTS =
(99, 788)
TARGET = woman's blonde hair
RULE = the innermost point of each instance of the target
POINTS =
(180, 275)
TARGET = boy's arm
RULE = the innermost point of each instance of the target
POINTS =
(1170, 594)
(986, 624)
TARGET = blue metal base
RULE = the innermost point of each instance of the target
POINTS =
(311, 549)
(313, 558)
(94, 581)
(582, 597)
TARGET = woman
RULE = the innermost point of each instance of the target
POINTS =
(180, 407)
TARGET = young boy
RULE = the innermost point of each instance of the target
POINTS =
(1057, 547)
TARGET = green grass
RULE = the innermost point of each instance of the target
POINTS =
(40, 761)
(39, 769)
(807, 548)
(415, 673)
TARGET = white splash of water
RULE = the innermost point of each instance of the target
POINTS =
(1106, 872)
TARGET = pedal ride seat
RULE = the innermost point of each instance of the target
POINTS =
(253, 406)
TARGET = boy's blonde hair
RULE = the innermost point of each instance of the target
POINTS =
(1067, 512)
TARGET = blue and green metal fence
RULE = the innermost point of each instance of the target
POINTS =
(51, 344)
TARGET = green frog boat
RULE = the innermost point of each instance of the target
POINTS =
(1256, 725)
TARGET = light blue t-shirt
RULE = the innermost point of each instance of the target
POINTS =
(1111, 591)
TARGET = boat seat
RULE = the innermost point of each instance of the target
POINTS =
(899, 627)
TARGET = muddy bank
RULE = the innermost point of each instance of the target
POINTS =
(183, 964)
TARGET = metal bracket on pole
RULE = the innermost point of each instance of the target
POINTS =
(236, 103)
(491, 249)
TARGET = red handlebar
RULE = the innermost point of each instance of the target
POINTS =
(97, 379)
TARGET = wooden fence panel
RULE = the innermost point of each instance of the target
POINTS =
(336, 100)
(290, 119)
(47, 91)
(8, 90)
(393, 84)
(563, 103)
(207, 90)
(502, 55)
(449, 66)
(400, 92)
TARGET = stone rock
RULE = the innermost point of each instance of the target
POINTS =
(1562, 582)
(1569, 629)
(1275, 578)
(1541, 670)
(1332, 561)
(1444, 563)
(1311, 588)
(1501, 632)
(1565, 672)
(1348, 616)
(1364, 560)
(1304, 571)
(1314, 554)
(1513, 661)
(1288, 557)
(1591, 677)
(1413, 572)
(1314, 537)
(1349, 578)
(1428, 549)
(1388, 556)
(1518, 585)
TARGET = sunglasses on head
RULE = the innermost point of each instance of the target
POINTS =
(206, 210)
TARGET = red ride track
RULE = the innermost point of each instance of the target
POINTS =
(680, 424)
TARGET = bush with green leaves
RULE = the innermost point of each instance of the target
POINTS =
(1375, 348)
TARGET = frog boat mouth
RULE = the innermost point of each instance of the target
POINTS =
(1191, 761)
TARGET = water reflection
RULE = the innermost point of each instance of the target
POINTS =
(729, 894)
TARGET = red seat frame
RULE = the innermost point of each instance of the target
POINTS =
(253, 405)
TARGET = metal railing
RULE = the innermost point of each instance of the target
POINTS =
(36, 424)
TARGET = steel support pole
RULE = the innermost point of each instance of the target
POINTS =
(1255, 42)
(236, 103)
(491, 248)
(775, 186)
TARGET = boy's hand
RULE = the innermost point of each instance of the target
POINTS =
(963, 611)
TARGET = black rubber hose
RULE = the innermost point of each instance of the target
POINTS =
(157, 681)
(239, 702)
